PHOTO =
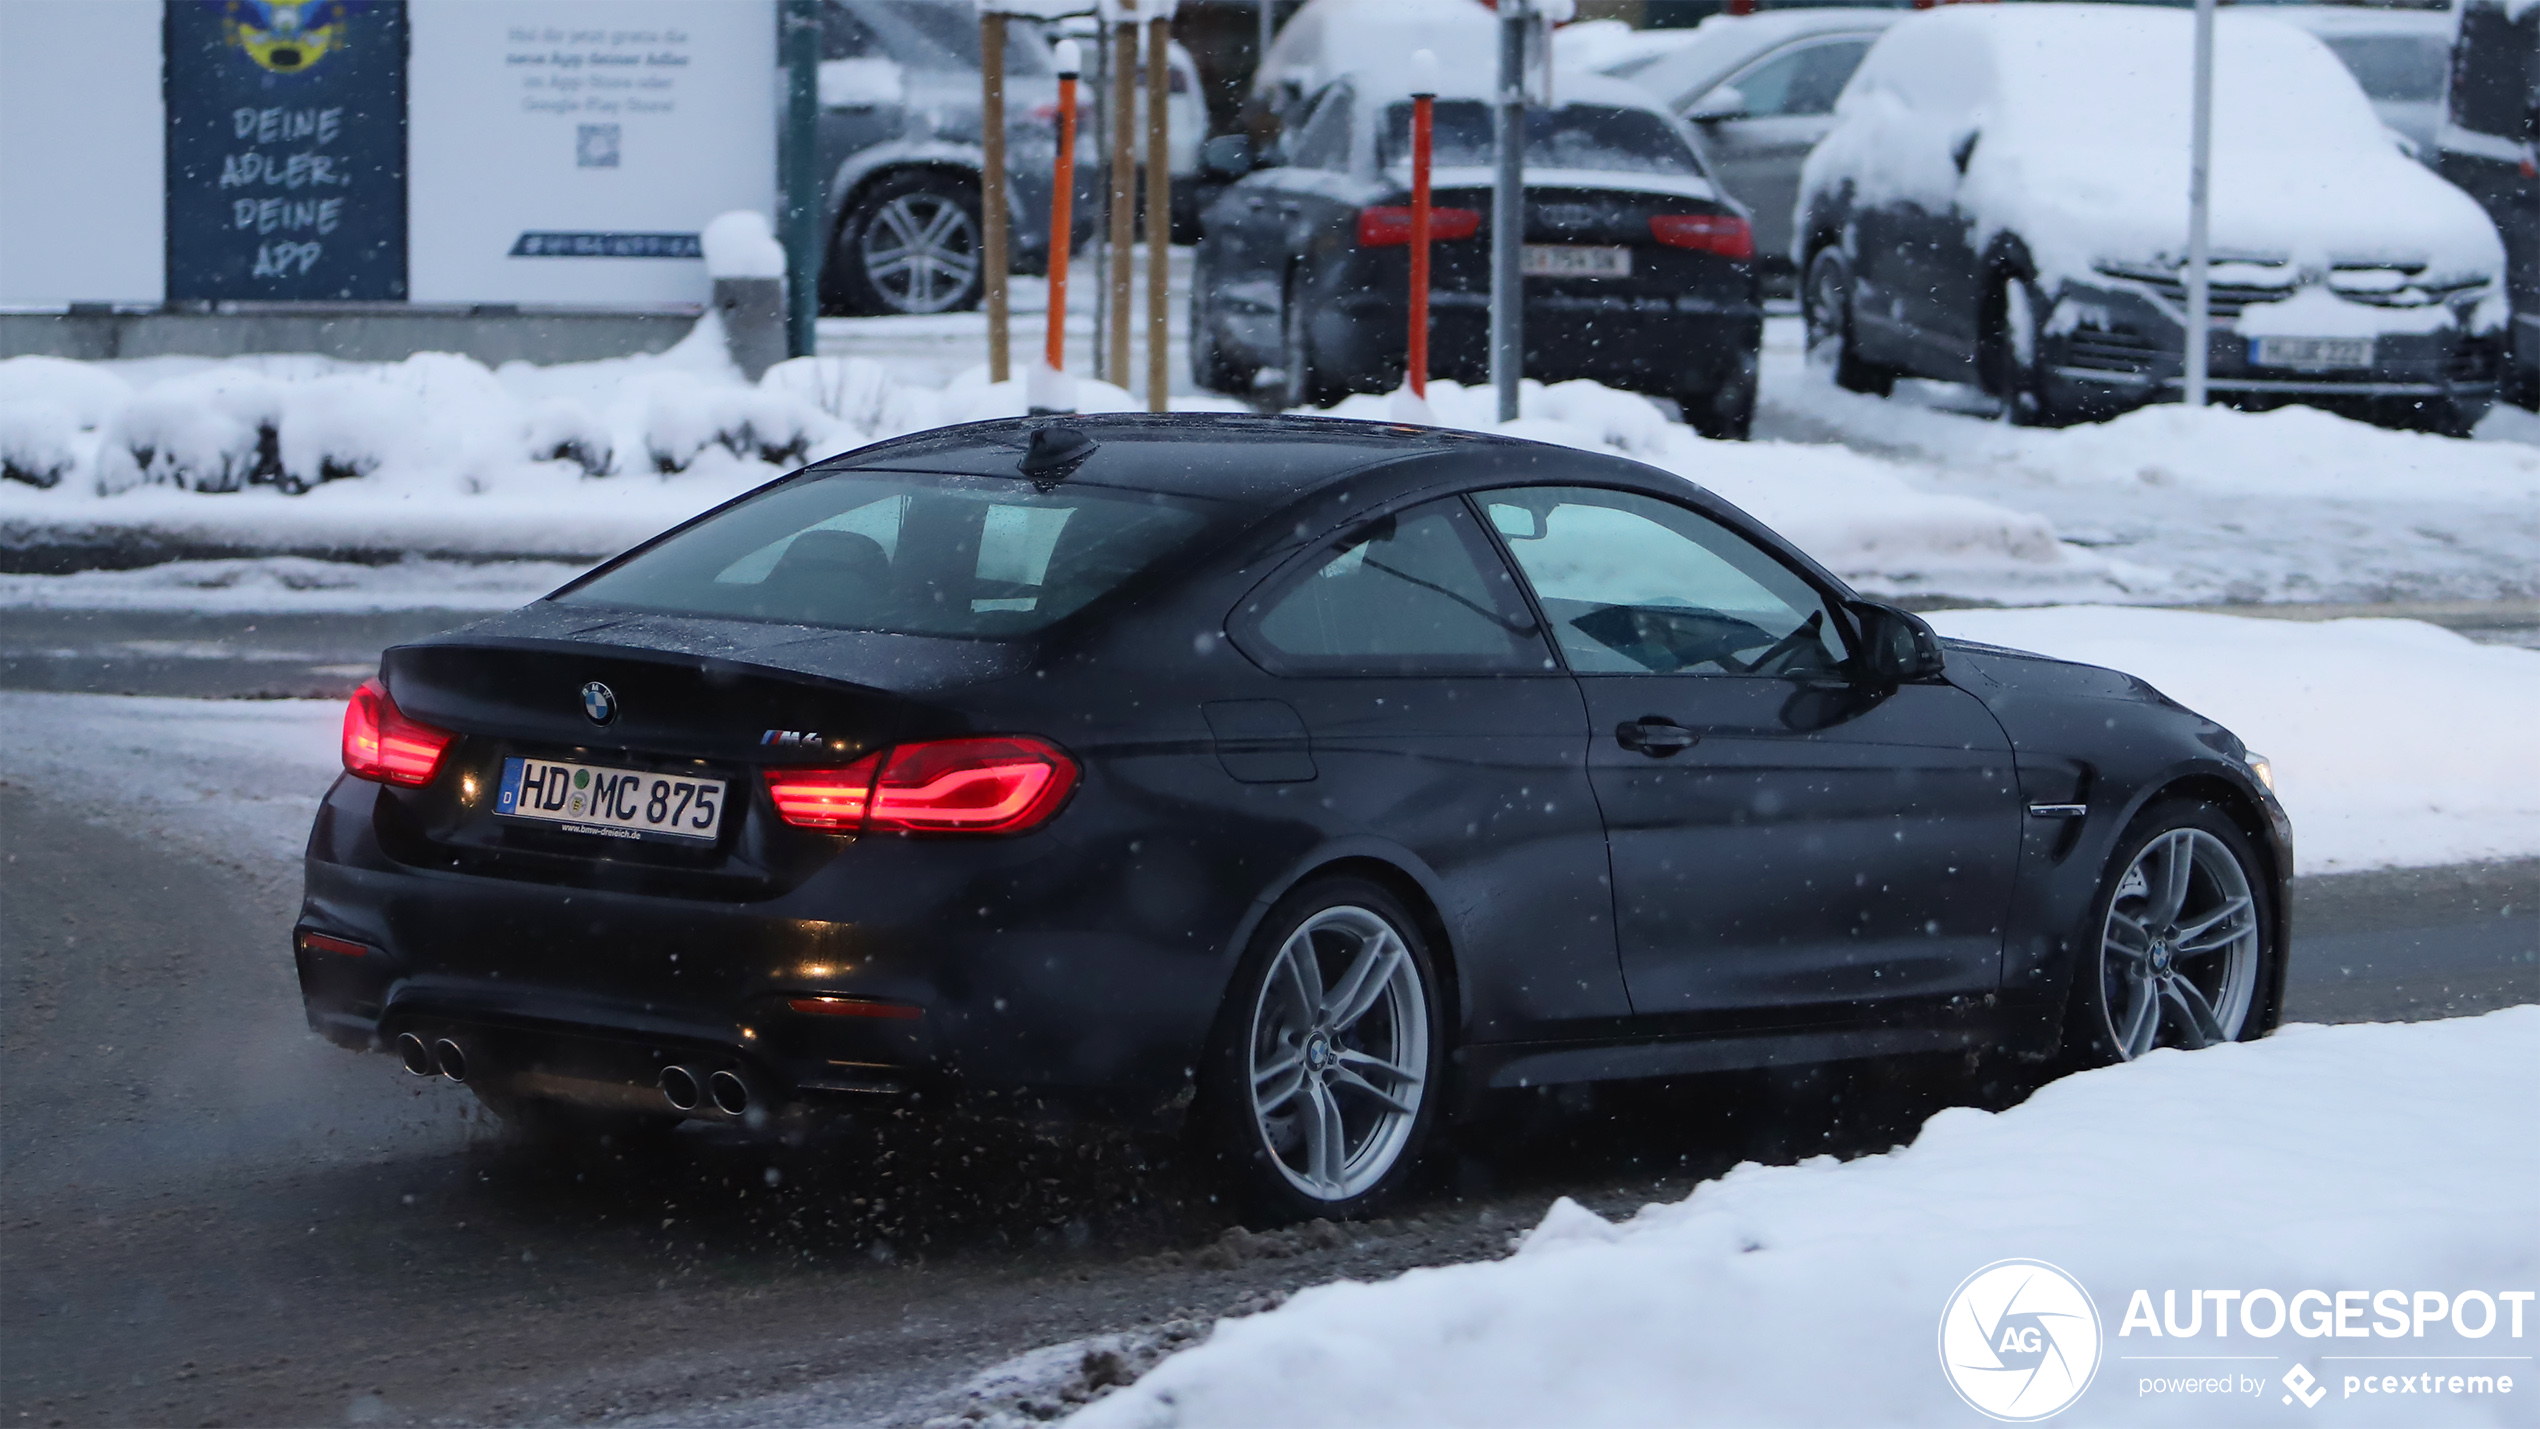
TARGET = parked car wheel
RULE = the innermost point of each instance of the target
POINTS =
(1325, 1081)
(1724, 413)
(910, 245)
(1303, 383)
(1829, 316)
(2178, 951)
(2013, 370)
(1211, 369)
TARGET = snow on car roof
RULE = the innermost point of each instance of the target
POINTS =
(1333, 37)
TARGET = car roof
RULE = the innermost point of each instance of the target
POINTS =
(1389, 82)
(1239, 457)
(1725, 43)
(2327, 20)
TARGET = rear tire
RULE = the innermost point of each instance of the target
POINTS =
(1302, 383)
(1726, 413)
(2179, 947)
(910, 245)
(1828, 306)
(1324, 1082)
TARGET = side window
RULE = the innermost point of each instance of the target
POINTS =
(1420, 592)
(1634, 586)
(1803, 80)
(1324, 141)
(845, 36)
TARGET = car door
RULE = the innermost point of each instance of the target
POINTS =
(1440, 723)
(1758, 125)
(1789, 841)
(1268, 220)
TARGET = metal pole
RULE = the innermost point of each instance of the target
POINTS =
(1159, 210)
(2200, 331)
(1423, 112)
(801, 178)
(1062, 206)
(1269, 32)
(992, 199)
(1124, 193)
(1508, 212)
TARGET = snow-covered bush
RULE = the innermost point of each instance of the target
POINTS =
(39, 445)
(217, 430)
(561, 429)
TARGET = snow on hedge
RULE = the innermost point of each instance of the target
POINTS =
(2360, 1158)
(440, 454)
(2394, 742)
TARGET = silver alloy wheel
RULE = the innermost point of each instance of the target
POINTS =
(1338, 1056)
(920, 252)
(2179, 956)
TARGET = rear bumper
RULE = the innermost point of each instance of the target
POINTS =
(551, 987)
(1665, 345)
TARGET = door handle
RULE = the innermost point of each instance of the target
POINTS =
(1656, 736)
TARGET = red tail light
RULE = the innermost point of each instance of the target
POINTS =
(1723, 233)
(824, 798)
(855, 1007)
(381, 743)
(1386, 226)
(1001, 785)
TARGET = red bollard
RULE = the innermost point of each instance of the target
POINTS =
(1062, 202)
(1423, 111)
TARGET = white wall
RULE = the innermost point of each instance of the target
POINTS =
(498, 92)
(82, 153)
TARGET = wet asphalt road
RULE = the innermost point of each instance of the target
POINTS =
(209, 1217)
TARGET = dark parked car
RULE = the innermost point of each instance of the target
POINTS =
(1310, 779)
(2491, 148)
(899, 140)
(1640, 273)
(2003, 200)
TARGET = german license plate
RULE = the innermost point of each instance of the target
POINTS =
(1566, 260)
(612, 803)
(2313, 354)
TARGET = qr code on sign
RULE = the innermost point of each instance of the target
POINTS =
(596, 146)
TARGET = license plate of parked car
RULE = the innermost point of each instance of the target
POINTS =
(2315, 353)
(1566, 260)
(612, 803)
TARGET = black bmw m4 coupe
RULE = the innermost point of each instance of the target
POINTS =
(1294, 781)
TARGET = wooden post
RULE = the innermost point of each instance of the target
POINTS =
(1423, 112)
(1124, 191)
(992, 199)
(1062, 206)
(1159, 210)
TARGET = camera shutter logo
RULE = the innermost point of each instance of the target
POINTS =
(2020, 1340)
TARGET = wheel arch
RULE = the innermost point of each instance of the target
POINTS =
(1390, 869)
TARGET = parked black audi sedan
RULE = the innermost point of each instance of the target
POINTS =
(1299, 781)
(1639, 272)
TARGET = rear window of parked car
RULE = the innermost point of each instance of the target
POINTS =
(906, 554)
(2406, 69)
(1574, 136)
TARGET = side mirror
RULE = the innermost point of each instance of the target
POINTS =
(1724, 102)
(1897, 646)
(1228, 156)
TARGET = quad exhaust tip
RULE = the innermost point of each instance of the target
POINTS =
(680, 1087)
(731, 1094)
(417, 1057)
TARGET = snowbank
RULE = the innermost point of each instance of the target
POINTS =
(2338, 1159)
(2394, 742)
(2189, 505)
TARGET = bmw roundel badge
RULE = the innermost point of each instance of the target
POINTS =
(599, 702)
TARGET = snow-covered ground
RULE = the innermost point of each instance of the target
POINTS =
(2395, 742)
(2350, 1161)
(295, 583)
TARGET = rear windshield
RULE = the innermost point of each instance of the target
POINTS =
(1575, 136)
(906, 554)
(2403, 69)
